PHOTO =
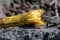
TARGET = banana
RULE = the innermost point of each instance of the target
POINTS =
(33, 17)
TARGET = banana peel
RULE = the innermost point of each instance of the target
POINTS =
(33, 16)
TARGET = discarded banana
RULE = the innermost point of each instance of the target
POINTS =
(31, 17)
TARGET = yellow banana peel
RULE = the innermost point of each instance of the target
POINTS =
(33, 17)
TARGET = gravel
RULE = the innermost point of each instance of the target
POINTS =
(16, 33)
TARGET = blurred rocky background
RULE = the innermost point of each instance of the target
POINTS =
(50, 31)
(17, 33)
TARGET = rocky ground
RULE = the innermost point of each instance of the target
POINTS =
(16, 33)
